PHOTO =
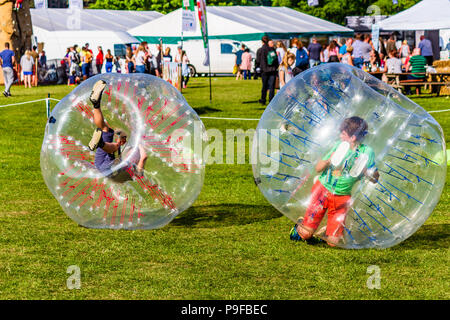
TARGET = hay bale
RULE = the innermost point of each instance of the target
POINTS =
(443, 66)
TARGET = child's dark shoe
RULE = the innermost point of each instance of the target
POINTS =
(293, 235)
(96, 139)
(96, 94)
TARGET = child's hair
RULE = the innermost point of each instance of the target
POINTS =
(288, 55)
(74, 72)
(121, 133)
(355, 126)
(393, 53)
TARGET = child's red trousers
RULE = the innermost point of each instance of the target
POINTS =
(321, 201)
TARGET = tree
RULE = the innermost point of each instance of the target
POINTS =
(163, 6)
(336, 10)
(15, 27)
(331, 10)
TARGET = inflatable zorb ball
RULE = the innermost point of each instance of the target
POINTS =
(301, 125)
(154, 115)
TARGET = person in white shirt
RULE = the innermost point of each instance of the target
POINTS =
(393, 64)
(185, 71)
(285, 72)
(281, 51)
(140, 59)
(179, 54)
(294, 46)
(27, 63)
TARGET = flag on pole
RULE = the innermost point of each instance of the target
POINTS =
(201, 4)
(189, 5)
(40, 4)
(73, 21)
(188, 21)
(76, 4)
(376, 36)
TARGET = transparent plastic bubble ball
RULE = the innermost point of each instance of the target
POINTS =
(402, 143)
(157, 122)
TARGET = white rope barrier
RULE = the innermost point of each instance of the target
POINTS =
(210, 118)
(20, 103)
(243, 119)
(436, 111)
(213, 118)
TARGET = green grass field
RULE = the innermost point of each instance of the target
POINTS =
(231, 244)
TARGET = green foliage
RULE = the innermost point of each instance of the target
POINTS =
(331, 10)
(387, 8)
(336, 10)
(150, 5)
(162, 6)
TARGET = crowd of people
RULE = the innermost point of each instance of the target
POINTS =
(80, 62)
(277, 64)
(27, 67)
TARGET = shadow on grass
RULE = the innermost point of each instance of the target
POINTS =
(205, 109)
(247, 102)
(196, 86)
(425, 96)
(434, 236)
(224, 215)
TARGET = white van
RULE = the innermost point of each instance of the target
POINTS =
(222, 55)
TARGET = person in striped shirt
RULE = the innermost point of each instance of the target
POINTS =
(416, 64)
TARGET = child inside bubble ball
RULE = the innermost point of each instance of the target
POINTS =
(346, 163)
(103, 142)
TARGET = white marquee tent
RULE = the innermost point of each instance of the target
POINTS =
(425, 15)
(241, 23)
(228, 26)
(59, 29)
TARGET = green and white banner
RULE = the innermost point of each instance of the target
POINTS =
(188, 21)
(76, 4)
(40, 4)
(189, 5)
(376, 36)
(201, 4)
